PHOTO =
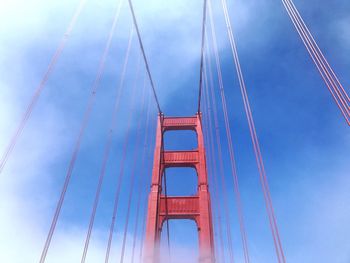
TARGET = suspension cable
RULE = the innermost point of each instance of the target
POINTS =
(143, 231)
(83, 126)
(221, 165)
(141, 182)
(331, 80)
(41, 86)
(228, 133)
(202, 51)
(107, 147)
(212, 165)
(122, 165)
(132, 180)
(144, 56)
(255, 141)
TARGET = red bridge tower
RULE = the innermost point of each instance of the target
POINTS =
(197, 207)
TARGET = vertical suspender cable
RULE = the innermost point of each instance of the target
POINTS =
(122, 166)
(41, 86)
(255, 141)
(132, 180)
(211, 153)
(228, 135)
(80, 135)
(331, 80)
(221, 166)
(107, 147)
(233, 171)
(144, 56)
(202, 51)
(142, 181)
(307, 38)
(143, 231)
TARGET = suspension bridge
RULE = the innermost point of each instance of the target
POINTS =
(140, 204)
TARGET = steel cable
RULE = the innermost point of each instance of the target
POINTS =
(41, 86)
(228, 133)
(213, 165)
(221, 166)
(135, 161)
(332, 82)
(256, 146)
(144, 56)
(141, 182)
(122, 165)
(201, 54)
(83, 126)
(107, 148)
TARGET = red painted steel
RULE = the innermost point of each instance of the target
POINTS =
(179, 123)
(195, 207)
(180, 158)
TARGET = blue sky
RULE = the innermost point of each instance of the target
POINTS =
(305, 142)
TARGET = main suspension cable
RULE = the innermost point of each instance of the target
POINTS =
(107, 147)
(202, 51)
(83, 126)
(41, 86)
(144, 56)
(255, 141)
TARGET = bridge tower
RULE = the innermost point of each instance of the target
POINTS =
(161, 207)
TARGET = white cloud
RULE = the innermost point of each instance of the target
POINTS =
(29, 184)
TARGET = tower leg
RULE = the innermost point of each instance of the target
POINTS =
(185, 207)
